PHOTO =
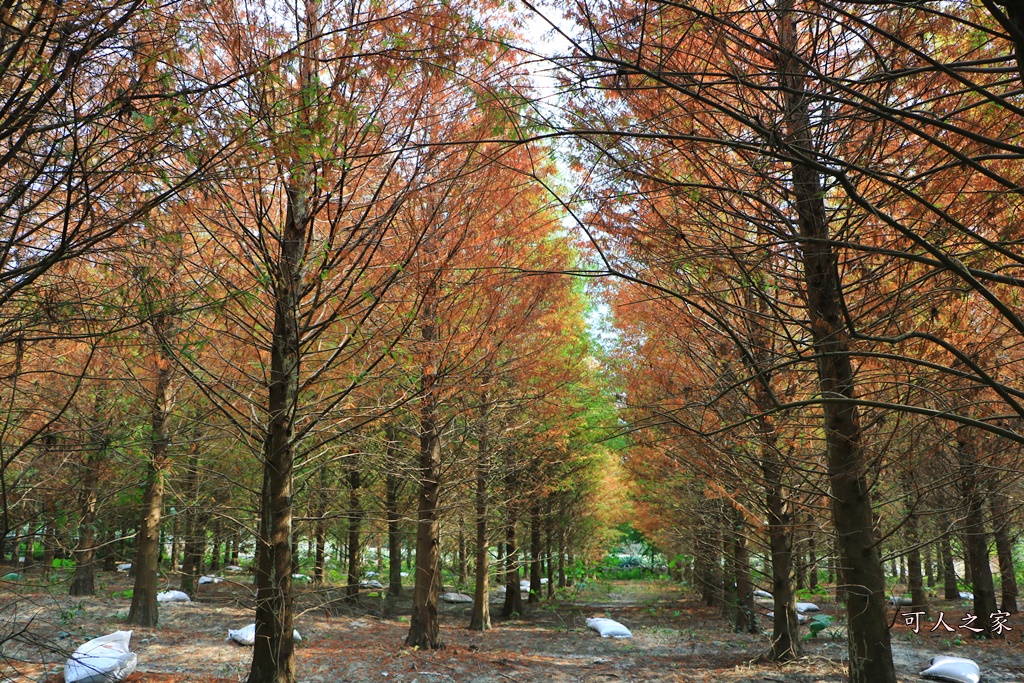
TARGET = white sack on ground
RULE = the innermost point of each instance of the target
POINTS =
(456, 597)
(966, 596)
(609, 628)
(124, 567)
(807, 607)
(247, 635)
(234, 568)
(210, 579)
(173, 596)
(372, 583)
(953, 669)
(758, 593)
(102, 660)
(800, 618)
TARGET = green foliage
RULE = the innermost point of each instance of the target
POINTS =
(70, 614)
(818, 624)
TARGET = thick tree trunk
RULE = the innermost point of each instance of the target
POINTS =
(870, 654)
(273, 659)
(975, 538)
(424, 628)
(144, 610)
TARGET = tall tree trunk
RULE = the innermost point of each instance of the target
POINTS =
(144, 610)
(561, 556)
(513, 595)
(812, 562)
(85, 552)
(870, 654)
(915, 582)
(785, 642)
(929, 570)
(950, 589)
(216, 538)
(355, 519)
(975, 538)
(549, 563)
(535, 588)
(394, 520)
(460, 554)
(480, 620)
(273, 659)
(1004, 550)
(194, 523)
(424, 628)
(746, 621)
(320, 528)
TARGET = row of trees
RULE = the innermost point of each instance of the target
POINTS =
(813, 209)
(263, 267)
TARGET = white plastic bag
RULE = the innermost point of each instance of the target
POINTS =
(964, 595)
(234, 568)
(247, 635)
(371, 583)
(173, 596)
(456, 597)
(124, 567)
(609, 628)
(807, 607)
(953, 669)
(210, 579)
(102, 660)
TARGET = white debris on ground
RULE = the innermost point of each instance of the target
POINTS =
(102, 660)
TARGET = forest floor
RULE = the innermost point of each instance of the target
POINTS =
(676, 639)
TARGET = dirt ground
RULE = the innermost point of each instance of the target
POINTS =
(676, 639)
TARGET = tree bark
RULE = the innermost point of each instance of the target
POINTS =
(746, 621)
(144, 610)
(355, 519)
(424, 628)
(273, 658)
(950, 589)
(535, 586)
(975, 538)
(1004, 550)
(85, 551)
(391, 509)
(870, 653)
(480, 619)
(513, 595)
(785, 642)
